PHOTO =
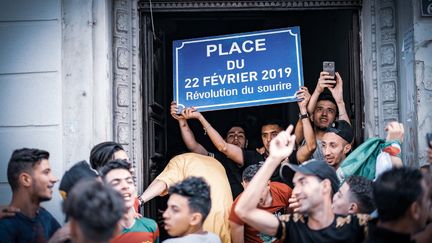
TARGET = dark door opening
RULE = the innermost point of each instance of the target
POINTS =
(326, 35)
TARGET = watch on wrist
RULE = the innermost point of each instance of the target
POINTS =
(140, 200)
(303, 116)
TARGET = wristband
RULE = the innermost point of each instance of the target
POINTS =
(140, 200)
(393, 149)
(303, 116)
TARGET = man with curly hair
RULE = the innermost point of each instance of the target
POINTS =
(188, 207)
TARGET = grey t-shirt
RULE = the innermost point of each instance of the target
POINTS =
(318, 154)
(200, 238)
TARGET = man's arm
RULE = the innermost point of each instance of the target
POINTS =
(233, 152)
(305, 152)
(186, 133)
(337, 93)
(156, 188)
(237, 232)
(324, 81)
(280, 148)
(395, 131)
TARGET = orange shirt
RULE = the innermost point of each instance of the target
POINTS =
(280, 193)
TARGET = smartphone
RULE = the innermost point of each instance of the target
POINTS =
(429, 139)
(329, 67)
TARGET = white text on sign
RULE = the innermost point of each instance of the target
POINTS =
(246, 47)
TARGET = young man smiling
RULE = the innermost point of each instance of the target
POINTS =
(313, 220)
(31, 179)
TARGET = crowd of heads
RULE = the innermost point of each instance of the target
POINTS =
(99, 194)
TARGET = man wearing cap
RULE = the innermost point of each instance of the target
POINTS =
(313, 220)
(325, 108)
(336, 142)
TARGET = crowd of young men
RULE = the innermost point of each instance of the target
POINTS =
(286, 191)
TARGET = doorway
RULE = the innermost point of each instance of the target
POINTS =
(326, 35)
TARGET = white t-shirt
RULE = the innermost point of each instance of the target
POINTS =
(208, 237)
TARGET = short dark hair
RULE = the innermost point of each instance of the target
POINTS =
(328, 97)
(114, 164)
(361, 193)
(23, 160)
(96, 207)
(272, 122)
(395, 190)
(197, 191)
(236, 124)
(250, 172)
(102, 153)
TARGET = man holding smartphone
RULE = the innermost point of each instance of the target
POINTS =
(324, 109)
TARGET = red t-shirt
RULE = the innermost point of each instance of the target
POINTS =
(280, 194)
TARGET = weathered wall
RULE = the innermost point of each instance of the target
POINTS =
(55, 82)
(423, 77)
(30, 81)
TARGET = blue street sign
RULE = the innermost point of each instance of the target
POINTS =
(239, 70)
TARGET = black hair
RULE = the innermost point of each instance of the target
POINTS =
(114, 164)
(361, 193)
(197, 191)
(23, 160)
(328, 97)
(395, 190)
(236, 124)
(96, 207)
(102, 153)
(250, 172)
(273, 122)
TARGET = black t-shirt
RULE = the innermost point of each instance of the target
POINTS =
(344, 228)
(233, 172)
(251, 157)
(381, 235)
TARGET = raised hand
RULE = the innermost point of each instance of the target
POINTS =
(303, 96)
(337, 90)
(282, 145)
(325, 80)
(191, 113)
(174, 110)
(395, 131)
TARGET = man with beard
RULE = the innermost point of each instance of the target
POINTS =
(313, 220)
(325, 109)
(31, 180)
(336, 142)
(134, 229)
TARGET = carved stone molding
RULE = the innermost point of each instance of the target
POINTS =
(384, 64)
(126, 83)
(387, 65)
(176, 6)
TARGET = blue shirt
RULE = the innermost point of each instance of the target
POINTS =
(21, 228)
